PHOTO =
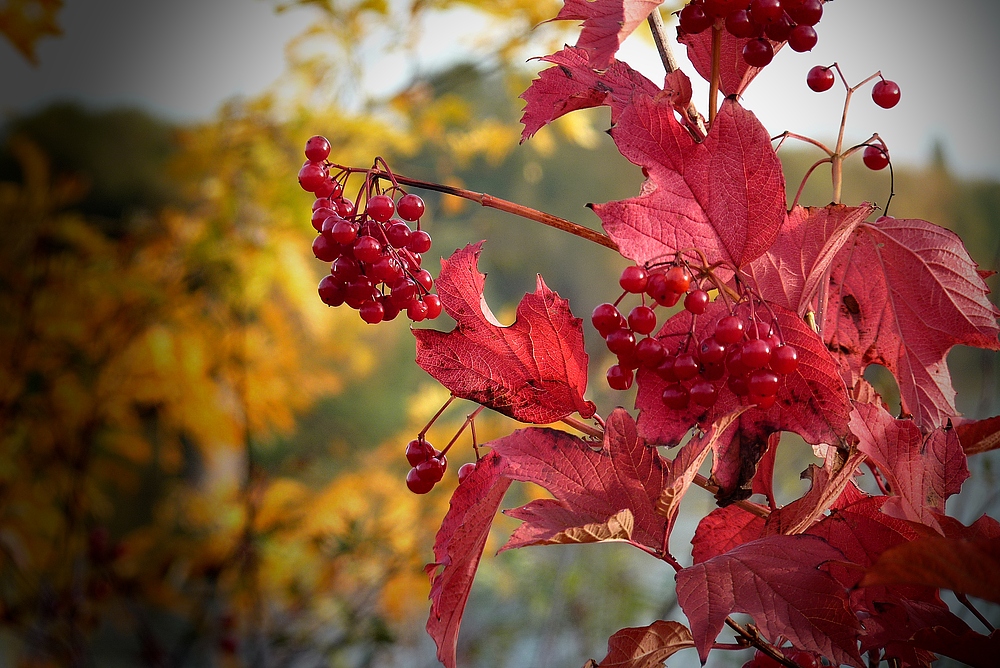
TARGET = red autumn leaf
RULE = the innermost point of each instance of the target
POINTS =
(722, 530)
(763, 479)
(609, 494)
(725, 195)
(922, 470)
(966, 566)
(969, 647)
(828, 485)
(791, 271)
(458, 549)
(534, 371)
(777, 581)
(646, 646)
(735, 74)
(902, 294)
(978, 436)
(811, 402)
(606, 24)
(573, 84)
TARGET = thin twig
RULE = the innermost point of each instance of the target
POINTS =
(964, 600)
(753, 638)
(655, 21)
(713, 86)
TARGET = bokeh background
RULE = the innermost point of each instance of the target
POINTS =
(200, 464)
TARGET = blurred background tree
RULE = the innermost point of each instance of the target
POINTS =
(200, 464)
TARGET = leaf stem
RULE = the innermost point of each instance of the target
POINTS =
(964, 600)
(713, 87)
(802, 185)
(583, 427)
(492, 202)
(753, 638)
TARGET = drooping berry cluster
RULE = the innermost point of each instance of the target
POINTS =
(763, 22)
(747, 353)
(375, 258)
(429, 465)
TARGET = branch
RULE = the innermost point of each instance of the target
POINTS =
(669, 61)
(753, 638)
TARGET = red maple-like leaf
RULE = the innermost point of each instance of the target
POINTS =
(978, 436)
(722, 530)
(735, 74)
(777, 581)
(534, 371)
(725, 195)
(763, 479)
(609, 494)
(606, 24)
(573, 84)
(646, 646)
(922, 470)
(458, 549)
(811, 402)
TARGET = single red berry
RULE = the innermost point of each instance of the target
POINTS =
(807, 12)
(345, 207)
(755, 354)
(403, 291)
(694, 20)
(885, 94)
(606, 318)
(676, 397)
(710, 351)
(703, 393)
(433, 303)
(418, 450)
(343, 232)
(720, 8)
(734, 363)
(633, 279)
(464, 471)
(678, 279)
(875, 157)
(784, 359)
(410, 207)
(344, 269)
(804, 659)
(696, 302)
(621, 341)
(802, 38)
(758, 52)
(432, 468)
(330, 291)
(359, 290)
(317, 148)
(666, 368)
(416, 484)
(380, 208)
(761, 401)
(764, 382)
(372, 312)
(619, 378)
(416, 310)
(766, 11)
(685, 366)
(729, 330)
(389, 308)
(642, 320)
(386, 270)
(367, 249)
(628, 359)
(423, 277)
(650, 352)
(713, 372)
(763, 660)
(327, 189)
(320, 215)
(739, 24)
(738, 385)
(656, 287)
(420, 242)
(820, 79)
(324, 249)
(780, 30)
(397, 233)
(312, 176)
(322, 203)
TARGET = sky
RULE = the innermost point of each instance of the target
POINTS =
(182, 59)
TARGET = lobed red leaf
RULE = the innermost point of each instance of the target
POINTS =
(606, 24)
(646, 646)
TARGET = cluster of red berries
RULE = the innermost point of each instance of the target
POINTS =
(885, 93)
(375, 258)
(763, 22)
(428, 466)
(749, 356)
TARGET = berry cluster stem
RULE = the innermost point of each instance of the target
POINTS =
(752, 637)
(713, 87)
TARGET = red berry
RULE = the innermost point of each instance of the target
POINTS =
(719, 8)
(359, 290)
(464, 471)
(807, 12)
(403, 291)
(344, 269)
(433, 303)
(738, 385)
(820, 79)
(713, 372)
(676, 397)
(685, 366)
(696, 302)
(416, 310)
(629, 359)
(710, 351)
(389, 308)
(418, 450)
(380, 208)
(410, 207)
(642, 320)
(420, 242)
(650, 352)
(345, 207)
(734, 364)
(694, 20)
(317, 148)
(330, 291)
(433, 468)
(758, 52)
(320, 215)
(804, 659)
(656, 287)
(802, 38)
(666, 368)
(397, 233)
(619, 378)
(416, 484)
(621, 341)
(312, 176)
(372, 312)
(761, 401)
(780, 30)
(784, 359)
(633, 279)
(343, 232)
(755, 354)
(703, 393)
(367, 249)
(321, 203)
(764, 383)
(324, 249)
(729, 330)
(677, 279)
(765, 661)
(766, 11)
(875, 157)
(886, 94)
(326, 189)
(606, 318)
(739, 24)
(423, 277)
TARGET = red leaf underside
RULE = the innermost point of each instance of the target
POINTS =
(606, 24)
(646, 646)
